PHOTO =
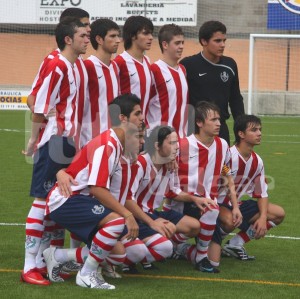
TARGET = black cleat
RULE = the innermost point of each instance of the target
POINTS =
(205, 266)
(238, 252)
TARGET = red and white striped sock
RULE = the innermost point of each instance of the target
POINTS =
(208, 223)
(135, 251)
(179, 238)
(45, 242)
(58, 236)
(102, 244)
(244, 237)
(34, 232)
(159, 248)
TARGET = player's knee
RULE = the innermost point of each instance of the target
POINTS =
(280, 215)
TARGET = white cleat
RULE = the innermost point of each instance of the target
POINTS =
(93, 280)
(53, 266)
(110, 271)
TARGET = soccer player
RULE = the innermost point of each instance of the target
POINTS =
(118, 186)
(52, 232)
(259, 215)
(133, 65)
(83, 17)
(201, 160)
(95, 209)
(213, 77)
(150, 231)
(152, 181)
(55, 148)
(169, 104)
(103, 80)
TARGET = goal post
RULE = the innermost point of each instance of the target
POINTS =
(274, 67)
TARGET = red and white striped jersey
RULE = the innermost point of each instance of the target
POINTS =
(149, 185)
(120, 180)
(38, 80)
(135, 77)
(94, 165)
(59, 90)
(200, 166)
(249, 176)
(103, 87)
(169, 104)
(82, 81)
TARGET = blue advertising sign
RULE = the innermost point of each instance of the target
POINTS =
(284, 14)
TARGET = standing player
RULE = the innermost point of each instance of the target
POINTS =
(56, 235)
(133, 65)
(169, 105)
(56, 147)
(259, 215)
(83, 17)
(201, 159)
(213, 77)
(103, 81)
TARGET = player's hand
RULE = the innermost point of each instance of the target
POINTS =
(260, 227)
(132, 227)
(237, 217)
(163, 227)
(51, 113)
(30, 147)
(170, 228)
(204, 203)
(64, 182)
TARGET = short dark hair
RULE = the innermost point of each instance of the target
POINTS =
(167, 32)
(242, 122)
(101, 27)
(158, 134)
(201, 112)
(74, 12)
(208, 29)
(122, 104)
(133, 25)
(66, 27)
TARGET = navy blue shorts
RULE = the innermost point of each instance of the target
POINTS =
(249, 208)
(172, 216)
(54, 155)
(190, 209)
(145, 231)
(81, 215)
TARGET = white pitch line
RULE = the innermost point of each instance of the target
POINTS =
(276, 237)
(232, 234)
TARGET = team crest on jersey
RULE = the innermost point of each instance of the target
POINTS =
(291, 5)
(98, 209)
(48, 185)
(224, 76)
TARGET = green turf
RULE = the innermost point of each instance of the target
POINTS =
(274, 273)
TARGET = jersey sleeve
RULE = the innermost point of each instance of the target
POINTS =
(236, 102)
(47, 93)
(259, 187)
(173, 189)
(102, 165)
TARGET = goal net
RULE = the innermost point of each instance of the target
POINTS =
(274, 74)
